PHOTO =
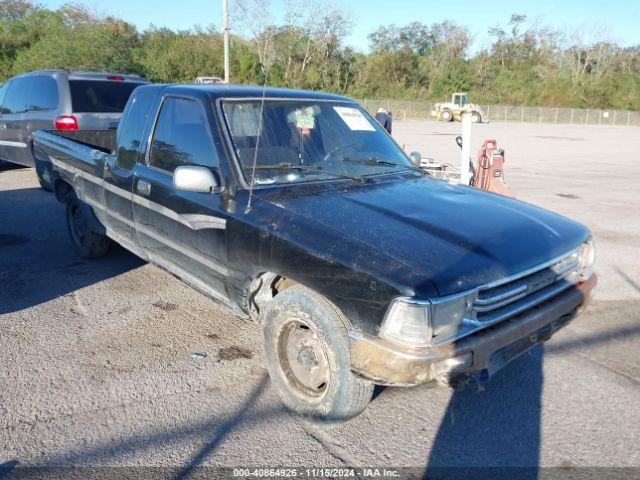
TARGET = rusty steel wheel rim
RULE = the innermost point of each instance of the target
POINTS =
(303, 359)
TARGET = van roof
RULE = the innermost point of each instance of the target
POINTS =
(85, 75)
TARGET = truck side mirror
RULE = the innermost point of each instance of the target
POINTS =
(195, 179)
(416, 158)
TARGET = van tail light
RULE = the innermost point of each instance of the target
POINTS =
(66, 122)
(117, 78)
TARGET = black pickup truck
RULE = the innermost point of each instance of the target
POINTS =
(297, 210)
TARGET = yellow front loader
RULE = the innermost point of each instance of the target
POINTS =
(453, 110)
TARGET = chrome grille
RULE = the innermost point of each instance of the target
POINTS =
(500, 301)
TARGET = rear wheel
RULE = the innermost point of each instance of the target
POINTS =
(307, 353)
(87, 242)
(446, 115)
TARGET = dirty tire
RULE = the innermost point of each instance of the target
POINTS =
(446, 115)
(476, 117)
(299, 309)
(86, 242)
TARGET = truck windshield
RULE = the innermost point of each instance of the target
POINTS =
(302, 140)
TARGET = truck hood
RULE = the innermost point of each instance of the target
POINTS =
(454, 237)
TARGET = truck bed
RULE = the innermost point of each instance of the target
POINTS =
(78, 158)
(103, 140)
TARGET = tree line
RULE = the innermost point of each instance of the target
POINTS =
(522, 63)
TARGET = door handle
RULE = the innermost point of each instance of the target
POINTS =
(143, 187)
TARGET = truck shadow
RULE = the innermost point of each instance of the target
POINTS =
(496, 433)
(6, 166)
(493, 432)
(209, 433)
(37, 261)
(6, 467)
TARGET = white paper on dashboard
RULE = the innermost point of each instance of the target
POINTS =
(354, 119)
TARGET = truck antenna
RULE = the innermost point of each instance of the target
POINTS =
(255, 151)
(265, 62)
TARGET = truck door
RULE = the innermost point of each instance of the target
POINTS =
(181, 231)
(119, 170)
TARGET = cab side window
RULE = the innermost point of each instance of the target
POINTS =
(181, 136)
(131, 129)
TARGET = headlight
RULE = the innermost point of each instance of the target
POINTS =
(587, 258)
(408, 321)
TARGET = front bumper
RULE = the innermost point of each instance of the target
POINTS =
(485, 351)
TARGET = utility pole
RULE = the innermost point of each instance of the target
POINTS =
(225, 33)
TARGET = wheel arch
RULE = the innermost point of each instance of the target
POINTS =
(263, 287)
(62, 190)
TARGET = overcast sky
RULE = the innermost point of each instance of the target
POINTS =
(621, 17)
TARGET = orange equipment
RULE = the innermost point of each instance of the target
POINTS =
(488, 173)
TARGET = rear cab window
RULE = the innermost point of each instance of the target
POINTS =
(100, 96)
(132, 128)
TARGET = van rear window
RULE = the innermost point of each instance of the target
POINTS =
(100, 96)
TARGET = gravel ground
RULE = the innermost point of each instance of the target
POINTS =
(115, 362)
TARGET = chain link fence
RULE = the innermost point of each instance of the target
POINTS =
(413, 110)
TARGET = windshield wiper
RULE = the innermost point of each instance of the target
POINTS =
(285, 166)
(358, 178)
(308, 168)
(373, 160)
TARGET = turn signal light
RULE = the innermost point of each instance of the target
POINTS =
(408, 322)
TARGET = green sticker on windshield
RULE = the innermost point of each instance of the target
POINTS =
(304, 118)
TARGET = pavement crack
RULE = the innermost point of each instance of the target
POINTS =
(79, 308)
(329, 444)
(609, 367)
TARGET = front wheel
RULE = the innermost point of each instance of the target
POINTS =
(476, 117)
(87, 242)
(307, 353)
